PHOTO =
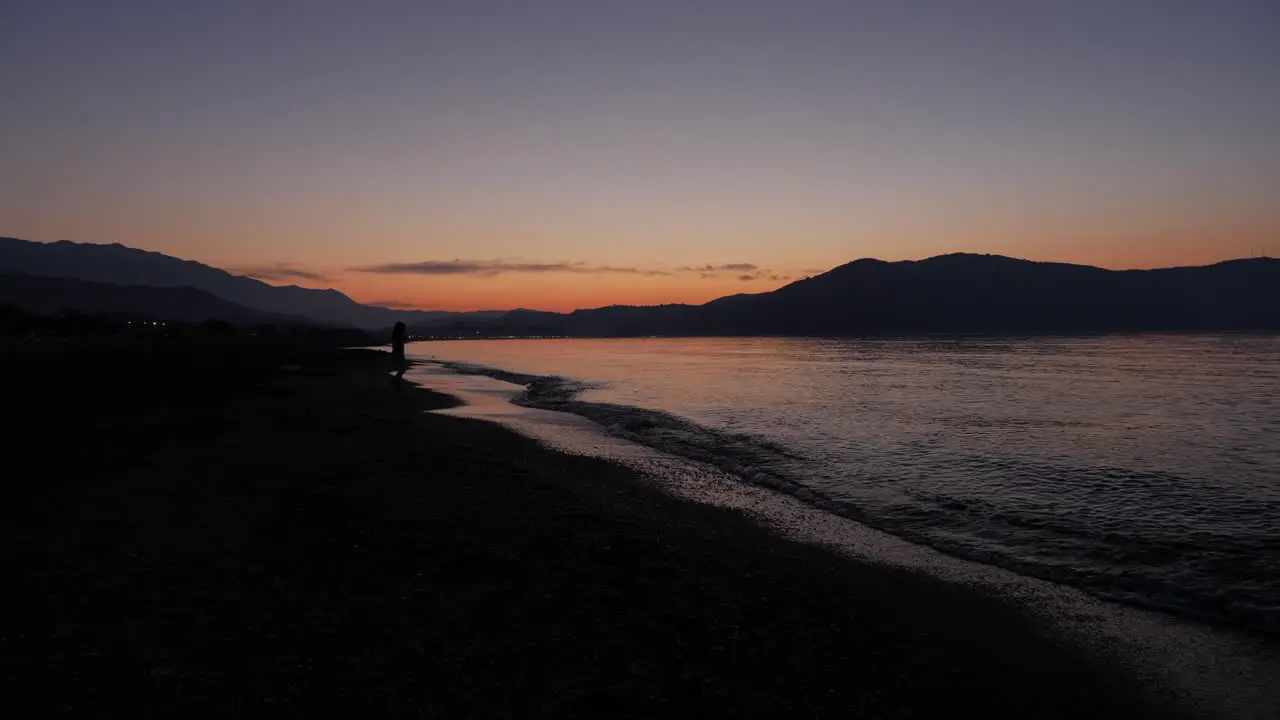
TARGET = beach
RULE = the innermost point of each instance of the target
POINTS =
(243, 529)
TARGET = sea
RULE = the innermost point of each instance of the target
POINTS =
(1143, 469)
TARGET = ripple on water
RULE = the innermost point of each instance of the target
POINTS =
(1141, 468)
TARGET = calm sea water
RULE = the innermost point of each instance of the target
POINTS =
(1144, 469)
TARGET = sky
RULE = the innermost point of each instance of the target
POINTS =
(575, 153)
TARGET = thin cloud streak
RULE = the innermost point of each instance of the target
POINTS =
(763, 275)
(728, 267)
(493, 268)
(279, 272)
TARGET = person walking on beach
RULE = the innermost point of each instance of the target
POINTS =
(398, 360)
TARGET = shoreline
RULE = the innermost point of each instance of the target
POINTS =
(237, 529)
(1218, 668)
(703, 445)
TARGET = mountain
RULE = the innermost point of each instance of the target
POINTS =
(960, 293)
(50, 296)
(964, 293)
(122, 265)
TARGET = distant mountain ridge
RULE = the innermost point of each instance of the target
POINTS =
(952, 294)
(962, 293)
(120, 265)
(947, 294)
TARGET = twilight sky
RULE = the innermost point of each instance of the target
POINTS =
(571, 153)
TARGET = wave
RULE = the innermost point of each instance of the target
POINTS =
(1117, 566)
(742, 455)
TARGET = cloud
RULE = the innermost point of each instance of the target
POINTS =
(395, 305)
(491, 268)
(745, 272)
(727, 267)
(630, 270)
(763, 275)
(280, 271)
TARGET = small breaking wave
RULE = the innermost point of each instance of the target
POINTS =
(747, 457)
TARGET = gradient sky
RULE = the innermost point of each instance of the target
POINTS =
(571, 153)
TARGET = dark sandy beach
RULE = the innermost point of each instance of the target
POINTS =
(201, 531)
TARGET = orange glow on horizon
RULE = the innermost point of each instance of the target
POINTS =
(565, 293)
(1194, 236)
(1119, 241)
(555, 293)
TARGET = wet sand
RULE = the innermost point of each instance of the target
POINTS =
(200, 531)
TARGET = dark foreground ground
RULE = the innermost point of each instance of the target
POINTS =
(195, 531)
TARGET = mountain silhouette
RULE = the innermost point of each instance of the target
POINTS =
(50, 296)
(964, 293)
(121, 265)
(960, 293)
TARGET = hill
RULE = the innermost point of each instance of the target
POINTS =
(958, 293)
(121, 265)
(54, 295)
(964, 293)
(961, 293)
